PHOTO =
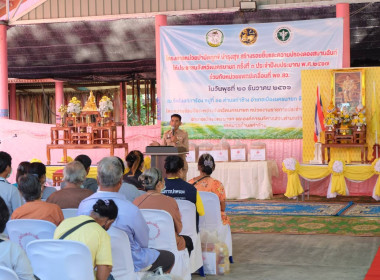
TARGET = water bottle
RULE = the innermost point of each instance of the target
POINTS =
(221, 263)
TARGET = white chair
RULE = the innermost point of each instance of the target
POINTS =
(7, 274)
(60, 259)
(188, 218)
(162, 236)
(70, 212)
(23, 231)
(123, 268)
(212, 221)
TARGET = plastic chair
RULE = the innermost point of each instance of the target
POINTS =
(60, 259)
(188, 218)
(162, 236)
(23, 231)
(123, 268)
(70, 212)
(212, 220)
(7, 274)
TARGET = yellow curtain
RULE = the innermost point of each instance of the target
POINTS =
(293, 186)
(338, 184)
(376, 168)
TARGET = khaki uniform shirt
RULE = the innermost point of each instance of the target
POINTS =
(182, 141)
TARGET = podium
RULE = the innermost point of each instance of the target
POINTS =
(158, 155)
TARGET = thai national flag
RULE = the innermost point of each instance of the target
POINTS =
(319, 118)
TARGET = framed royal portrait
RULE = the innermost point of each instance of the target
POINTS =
(348, 86)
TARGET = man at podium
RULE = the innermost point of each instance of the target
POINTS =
(176, 137)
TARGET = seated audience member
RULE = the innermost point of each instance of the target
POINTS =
(34, 208)
(130, 219)
(178, 188)
(9, 193)
(38, 169)
(12, 255)
(128, 190)
(135, 163)
(205, 183)
(22, 169)
(74, 175)
(93, 233)
(151, 179)
(89, 183)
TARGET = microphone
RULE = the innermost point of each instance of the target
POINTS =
(172, 130)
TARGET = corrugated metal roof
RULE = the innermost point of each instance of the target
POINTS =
(119, 50)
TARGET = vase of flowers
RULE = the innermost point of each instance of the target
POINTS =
(105, 106)
(331, 120)
(62, 111)
(345, 120)
(345, 117)
(73, 107)
(359, 119)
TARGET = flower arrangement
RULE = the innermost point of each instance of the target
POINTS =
(74, 106)
(331, 119)
(105, 105)
(62, 109)
(345, 116)
(359, 119)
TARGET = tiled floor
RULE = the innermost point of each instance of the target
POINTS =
(300, 257)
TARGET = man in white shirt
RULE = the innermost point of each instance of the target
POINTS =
(9, 193)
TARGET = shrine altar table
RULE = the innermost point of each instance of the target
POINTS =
(66, 147)
(242, 180)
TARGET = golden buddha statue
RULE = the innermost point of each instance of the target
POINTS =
(90, 104)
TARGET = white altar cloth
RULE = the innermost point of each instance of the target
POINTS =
(243, 179)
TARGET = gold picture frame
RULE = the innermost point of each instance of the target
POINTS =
(348, 88)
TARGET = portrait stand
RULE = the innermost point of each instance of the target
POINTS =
(158, 155)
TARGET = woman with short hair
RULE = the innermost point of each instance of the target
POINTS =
(34, 208)
(152, 181)
(177, 188)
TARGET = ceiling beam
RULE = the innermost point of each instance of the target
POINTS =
(26, 6)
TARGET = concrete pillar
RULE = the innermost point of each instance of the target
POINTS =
(123, 103)
(58, 100)
(343, 11)
(4, 106)
(161, 20)
(12, 102)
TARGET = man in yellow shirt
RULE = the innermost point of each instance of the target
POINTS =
(93, 233)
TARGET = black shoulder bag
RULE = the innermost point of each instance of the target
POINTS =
(200, 179)
(75, 228)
